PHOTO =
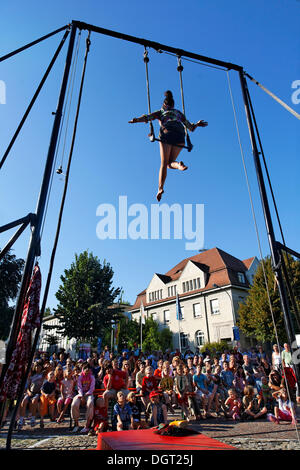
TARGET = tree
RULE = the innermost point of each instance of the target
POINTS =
(85, 295)
(10, 275)
(129, 333)
(155, 339)
(254, 318)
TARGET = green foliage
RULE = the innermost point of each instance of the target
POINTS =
(10, 275)
(129, 333)
(85, 295)
(155, 339)
(254, 318)
(214, 347)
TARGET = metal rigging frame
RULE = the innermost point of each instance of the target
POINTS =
(35, 220)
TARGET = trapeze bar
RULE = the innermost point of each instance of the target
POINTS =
(155, 45)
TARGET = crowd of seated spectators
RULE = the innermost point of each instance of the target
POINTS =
(135, 390)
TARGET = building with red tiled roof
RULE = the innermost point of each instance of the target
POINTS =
(210, 285)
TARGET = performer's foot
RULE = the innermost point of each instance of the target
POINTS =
(182, 166)
(159, 194)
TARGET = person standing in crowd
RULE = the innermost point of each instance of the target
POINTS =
(276, 357)
(286, 356)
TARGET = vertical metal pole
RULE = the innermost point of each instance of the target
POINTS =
(275, 253)
(206, 319)
(34, 244)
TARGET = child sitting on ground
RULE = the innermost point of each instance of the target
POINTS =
(233, 405)
(251, 404)
(122, 415)
(265, 395)
(156, 410)
(100, 418)
(285, 410)
(136, 411)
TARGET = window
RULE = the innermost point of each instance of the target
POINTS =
(166, 316)
(182, 313)
(161, 293)
(154, 316)
(172, 291)
(241, 277)
(196, 310)
(195, 283)
(184, 340)
(183, 287)
(199, 337)
(214, 306)
(191, 285)
(198, 283)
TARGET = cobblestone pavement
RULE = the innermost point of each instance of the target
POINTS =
(253, 435)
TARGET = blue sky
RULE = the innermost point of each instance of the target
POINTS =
(113, 158)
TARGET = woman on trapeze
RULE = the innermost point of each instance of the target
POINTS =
(171, 137)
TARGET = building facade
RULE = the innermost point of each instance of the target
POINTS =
(210, 286)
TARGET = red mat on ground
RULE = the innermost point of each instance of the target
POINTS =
(146, 439)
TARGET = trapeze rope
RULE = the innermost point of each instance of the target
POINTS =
(257, 234)
(73, 72)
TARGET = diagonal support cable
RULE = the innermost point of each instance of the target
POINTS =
(287, 107)
(23, 48)
(36, 94)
